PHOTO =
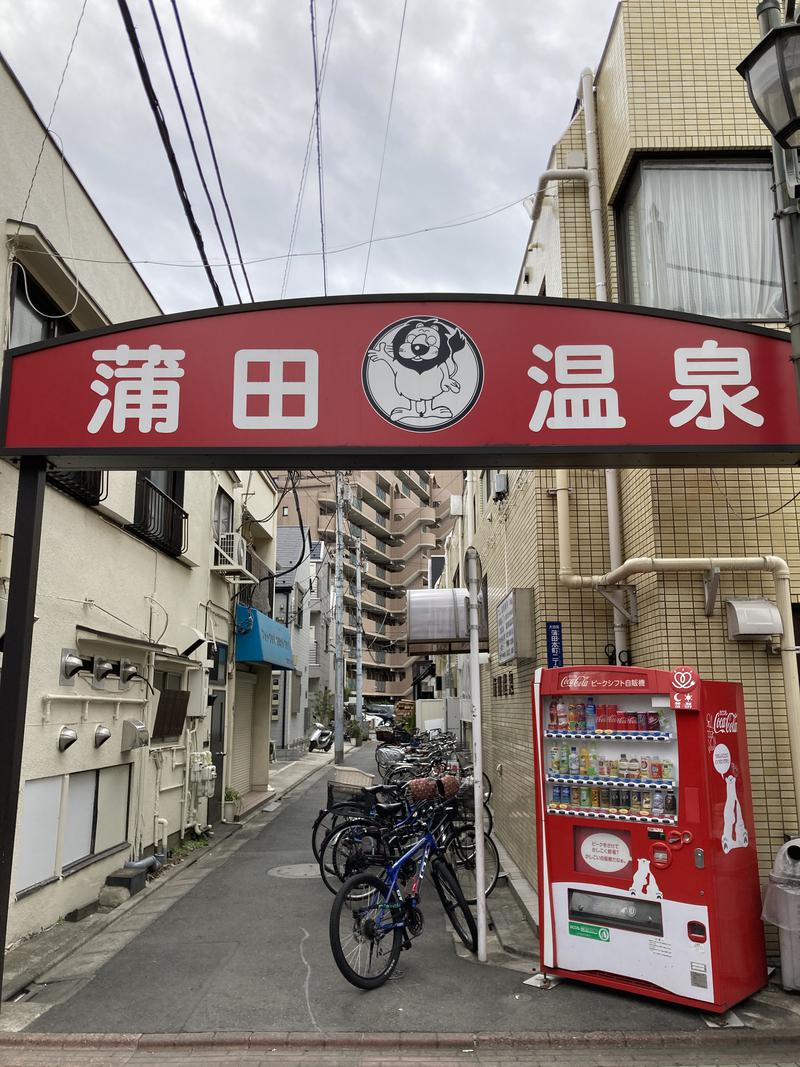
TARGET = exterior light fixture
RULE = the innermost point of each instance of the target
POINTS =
(101, 735)
(127, 672)
(71, 664)
(772, 73)
(103, 667)
(66, 737)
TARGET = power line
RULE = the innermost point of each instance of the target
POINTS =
(158, 115)
(307, 158)
(454, 224)
(318, 124)
(52, 112)
(211, 146)
(385, 142)
(192, 145)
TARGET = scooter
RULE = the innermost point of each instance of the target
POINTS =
(321, 739)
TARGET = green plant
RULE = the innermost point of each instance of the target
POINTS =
(233, 796)
(353, 730)
(322, 706)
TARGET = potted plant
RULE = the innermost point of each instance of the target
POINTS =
(232, 806)
(353, 732)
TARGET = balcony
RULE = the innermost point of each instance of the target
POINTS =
(158, 519)
(422, 539)
(422, 516)
(261, 595)
(90, 487)
(369, 519)
(417, 481)
(374, 495)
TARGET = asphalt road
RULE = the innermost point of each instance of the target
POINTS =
(247, 949)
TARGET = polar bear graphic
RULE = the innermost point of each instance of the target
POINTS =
(734, 831)
(644, 882)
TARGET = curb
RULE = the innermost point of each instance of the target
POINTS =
(739, 1037)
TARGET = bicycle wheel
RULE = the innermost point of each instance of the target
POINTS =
(364, 938)
(466, 814)
(487, 788)
(460, 854)
(455, 906)
(352, 837)
(331, 818)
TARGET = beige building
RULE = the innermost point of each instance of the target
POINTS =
(149, 584)
(401, 518)
(685, 176)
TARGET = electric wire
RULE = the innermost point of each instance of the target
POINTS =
(752, 518)
(52, 112)
(307, 158)
(211, 148)
(318, 124)
(192, 146)
(385, 142)
(158, 115)
(453, 224)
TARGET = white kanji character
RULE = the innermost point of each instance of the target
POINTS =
(282, 374)
(146, 388)
(587, 402)
(707, 370)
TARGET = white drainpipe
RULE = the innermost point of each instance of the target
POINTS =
(777, 567)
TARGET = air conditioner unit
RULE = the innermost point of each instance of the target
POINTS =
(234, 547)
(500, 486)
(230, 559)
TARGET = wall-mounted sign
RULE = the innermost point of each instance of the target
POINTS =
(555, 645)
(488, 381)
(515, 639)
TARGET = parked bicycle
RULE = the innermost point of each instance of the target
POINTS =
(374, 917)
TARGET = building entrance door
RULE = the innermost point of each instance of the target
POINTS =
(217, 698)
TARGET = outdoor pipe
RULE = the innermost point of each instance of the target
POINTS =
(148, 863)
(775, 565)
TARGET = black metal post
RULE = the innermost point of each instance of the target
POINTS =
(16, 665)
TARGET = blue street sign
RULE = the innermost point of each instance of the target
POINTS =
(555, 646)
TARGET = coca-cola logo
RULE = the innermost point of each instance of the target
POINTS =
(726, 722)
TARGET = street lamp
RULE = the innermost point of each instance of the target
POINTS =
(772, 73)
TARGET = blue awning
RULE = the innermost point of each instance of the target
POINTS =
(259, 639)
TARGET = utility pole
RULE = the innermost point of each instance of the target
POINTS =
(359, 640)
(338, 601)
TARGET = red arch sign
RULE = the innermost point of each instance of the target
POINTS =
(452, 380)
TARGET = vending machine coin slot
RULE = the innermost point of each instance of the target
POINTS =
(660, 856)
(696, 932)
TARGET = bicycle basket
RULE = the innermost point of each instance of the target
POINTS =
(384, 735)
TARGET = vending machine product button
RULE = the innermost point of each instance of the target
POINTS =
(699, 858)
(696, 932)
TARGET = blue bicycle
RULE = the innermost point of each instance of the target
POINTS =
(373, 918)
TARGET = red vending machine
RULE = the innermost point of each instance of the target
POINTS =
(648, 878)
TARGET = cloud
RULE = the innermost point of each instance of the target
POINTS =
(482, 93)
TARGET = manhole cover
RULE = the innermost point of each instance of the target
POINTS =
(296, 870)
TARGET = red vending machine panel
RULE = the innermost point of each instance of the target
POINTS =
(648, 876)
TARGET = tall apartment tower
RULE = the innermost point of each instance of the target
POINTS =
(401, 518)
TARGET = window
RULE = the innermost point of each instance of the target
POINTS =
(37, 836)
(699, 237)
(172, 704)
(32, 319)
(223, 514)
(220, 657)
(95, 815)
(284, 511)
(158, 515)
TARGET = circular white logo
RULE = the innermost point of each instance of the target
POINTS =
(605, 852)
(721, 758)
(423, 373)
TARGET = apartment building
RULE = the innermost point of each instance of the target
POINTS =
(401, 518)
(153, 648)
(685, 175)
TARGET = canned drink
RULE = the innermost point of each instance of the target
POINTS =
(653, 721)
(656, 770)
(595, 798)
(636, 802)
(586, 796)
(625, 798)
(566, 796)
(556, 794)
(632, 721)
(647, 805)
(602, 718)
(605, 798)
(614, 798)
(642, 717)
(658, 803)
(670, 803)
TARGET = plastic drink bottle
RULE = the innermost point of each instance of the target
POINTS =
(555, 759)
(583, 760)
(633, 768)
(658, 803)
(561, 712)
(592, 771)
(668, 769)
(591, 716)
(580, 718)
(644, 767)
(574, 761)
(656, 770)
(601, 767)
(553, 720)
(571, 718)
(622, 766)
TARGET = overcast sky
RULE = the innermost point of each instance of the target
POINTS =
(484, 88)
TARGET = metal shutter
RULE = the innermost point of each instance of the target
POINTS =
(242, 733)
